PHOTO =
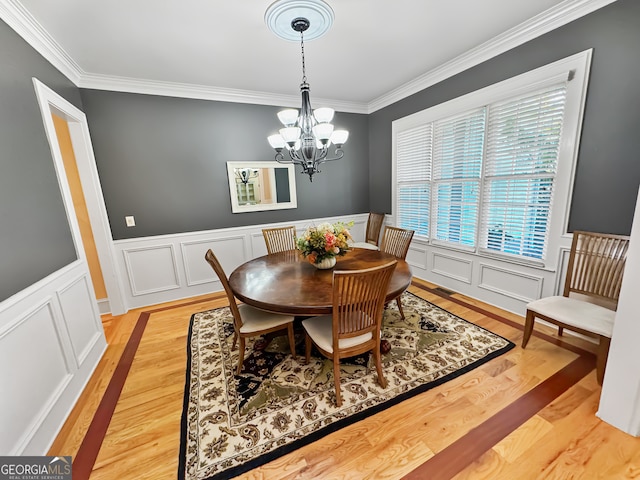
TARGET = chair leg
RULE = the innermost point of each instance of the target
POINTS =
(235, 340)
(307, 348)
(336, 378)
(376, 357)
(601, 360)
(400, 307)
(292, 340)
(528, 327)
(240, 355)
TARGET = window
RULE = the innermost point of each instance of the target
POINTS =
(491, 171)
(523, 141)
(457, 161)
(414, 178)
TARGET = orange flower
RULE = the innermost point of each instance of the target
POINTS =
(312, 257)
(330, 238)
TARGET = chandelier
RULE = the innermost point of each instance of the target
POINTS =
(308, 134)
(246, 174)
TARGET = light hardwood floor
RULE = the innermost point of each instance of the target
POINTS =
(528, 414)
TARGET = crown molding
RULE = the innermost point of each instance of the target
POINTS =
(204, 92)
(18, 18)
(23, 23)
(549, 20)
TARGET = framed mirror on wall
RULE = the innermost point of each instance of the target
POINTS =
(258, 186)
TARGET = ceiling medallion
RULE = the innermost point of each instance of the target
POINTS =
(280, 14)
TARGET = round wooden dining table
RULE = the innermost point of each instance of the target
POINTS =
(287, 283)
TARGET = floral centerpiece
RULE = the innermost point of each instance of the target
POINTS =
(321, 244)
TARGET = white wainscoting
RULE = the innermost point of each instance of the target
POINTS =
(51, 340)
(171, 267)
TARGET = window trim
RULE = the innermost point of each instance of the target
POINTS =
(574, 68)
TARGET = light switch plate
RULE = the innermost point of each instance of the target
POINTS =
(131, 222)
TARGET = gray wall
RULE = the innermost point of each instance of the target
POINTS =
(163, 160)
(608, 171)
(35, 238)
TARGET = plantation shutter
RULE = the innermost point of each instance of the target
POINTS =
(521, 162)
(413, 157)
(457, 158)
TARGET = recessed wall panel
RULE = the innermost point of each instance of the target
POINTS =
(417, 257)
(152, 269)
(33, 361)
(452, 267)
(228, 250)
(80, 317)
(511, 283)
(258, 247)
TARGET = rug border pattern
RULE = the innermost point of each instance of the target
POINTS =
(332, 427)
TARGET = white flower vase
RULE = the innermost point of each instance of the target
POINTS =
(326, 263)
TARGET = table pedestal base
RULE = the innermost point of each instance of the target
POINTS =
(260, 345)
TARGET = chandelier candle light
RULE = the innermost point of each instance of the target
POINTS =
(306, 135)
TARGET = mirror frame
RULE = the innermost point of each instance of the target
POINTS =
(235, 205)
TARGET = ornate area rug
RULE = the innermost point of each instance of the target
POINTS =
(231, 424)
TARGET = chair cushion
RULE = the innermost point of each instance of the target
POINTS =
(366, 245)
(254, 319)
(578, 313)
(320, 331)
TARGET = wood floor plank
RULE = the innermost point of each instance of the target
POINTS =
(515, 445)
(90, 446)
(449, 462)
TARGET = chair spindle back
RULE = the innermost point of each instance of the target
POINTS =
(374, 225)
(280, 239)
(596, 264)
(396, 241)
(358, 300)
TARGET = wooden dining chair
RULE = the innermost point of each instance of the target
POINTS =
(249, 321)
(354, 326)
(396, 241)
(591, 290)
(279, 239)
(372, 235)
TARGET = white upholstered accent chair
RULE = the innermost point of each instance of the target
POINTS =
(279, 239)
(249, 321)
(591, 290)
(354, 326)
(372, 235)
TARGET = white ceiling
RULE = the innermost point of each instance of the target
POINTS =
(374, 50)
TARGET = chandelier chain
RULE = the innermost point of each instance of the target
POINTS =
(307, 133)
(304, 70)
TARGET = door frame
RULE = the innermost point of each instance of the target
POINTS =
(50, 102)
